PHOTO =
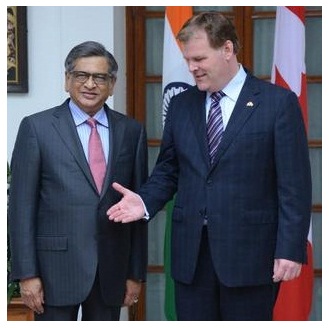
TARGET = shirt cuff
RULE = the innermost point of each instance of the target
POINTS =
(146, 216)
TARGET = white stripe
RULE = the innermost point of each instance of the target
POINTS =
(174, 65)
(289, 49)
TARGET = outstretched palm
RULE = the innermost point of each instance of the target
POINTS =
(129, 209)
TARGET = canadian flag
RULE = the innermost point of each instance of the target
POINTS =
(295, 297)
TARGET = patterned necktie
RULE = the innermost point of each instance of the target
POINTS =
(215, 125)
(96, 156)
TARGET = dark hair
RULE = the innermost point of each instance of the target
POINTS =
(89, 49)
(219, 29)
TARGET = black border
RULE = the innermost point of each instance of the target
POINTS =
(20, 84)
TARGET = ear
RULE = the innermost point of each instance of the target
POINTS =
(67, 81)
(228, 49)
(112, 84)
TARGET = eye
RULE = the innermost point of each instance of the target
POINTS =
(198, 59)
(81, 76)
(100, 78)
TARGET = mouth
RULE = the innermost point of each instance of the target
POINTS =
(199, 76)
(89, 95)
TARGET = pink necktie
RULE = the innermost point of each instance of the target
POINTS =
(96, 155)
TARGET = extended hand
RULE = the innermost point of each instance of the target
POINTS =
(129, 209)
(285, 270)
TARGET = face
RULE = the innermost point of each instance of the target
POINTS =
(210, 67)
(88, 95)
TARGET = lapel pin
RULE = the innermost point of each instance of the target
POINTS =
(250, 104)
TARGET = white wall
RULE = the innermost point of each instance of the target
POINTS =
(52, 33)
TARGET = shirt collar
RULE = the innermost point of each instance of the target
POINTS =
(233, 88)
(80, 117)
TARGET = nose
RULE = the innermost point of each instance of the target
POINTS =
(90, 83)
(192, 66)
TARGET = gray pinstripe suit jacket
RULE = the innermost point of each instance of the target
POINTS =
(59, 230)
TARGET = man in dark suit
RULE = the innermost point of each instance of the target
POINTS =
(240, 220)
(65, 252)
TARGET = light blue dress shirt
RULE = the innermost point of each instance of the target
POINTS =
(83, 128)
(232, 92)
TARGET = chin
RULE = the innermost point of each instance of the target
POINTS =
(202, 87)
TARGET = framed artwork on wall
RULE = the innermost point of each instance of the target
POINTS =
(17, 78)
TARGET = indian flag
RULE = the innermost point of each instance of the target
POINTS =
(176, 79)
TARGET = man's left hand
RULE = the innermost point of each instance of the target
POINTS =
(285, 270)
(133, 289)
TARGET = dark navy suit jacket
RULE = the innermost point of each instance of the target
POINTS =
(59, 229)
(256, 196)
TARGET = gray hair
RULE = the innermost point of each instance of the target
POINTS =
(90, 49)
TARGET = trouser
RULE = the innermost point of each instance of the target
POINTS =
(93, 309)
(206, 298)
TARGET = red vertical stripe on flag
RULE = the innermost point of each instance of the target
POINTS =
(298, 11)
(295, 297)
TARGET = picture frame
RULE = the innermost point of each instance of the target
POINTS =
(17, 72)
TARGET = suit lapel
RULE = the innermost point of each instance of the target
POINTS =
(197, 113)
(245, 106)
(116, 134)
(64, 124)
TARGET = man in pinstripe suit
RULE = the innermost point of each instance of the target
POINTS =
(65, 252)
(240, 221)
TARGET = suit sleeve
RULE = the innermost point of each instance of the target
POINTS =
(162, 184)
(23, 202)
(293, 180)
(138, 257)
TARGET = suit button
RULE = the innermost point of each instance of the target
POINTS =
(209, 182)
